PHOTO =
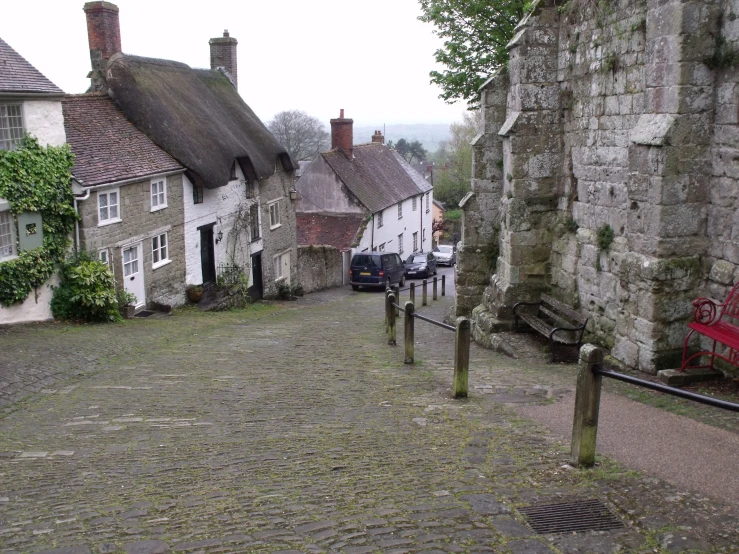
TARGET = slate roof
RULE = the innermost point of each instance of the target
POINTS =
(197, 116)
(17, 76)
(327, 229)
(377, 176)
(107, 147)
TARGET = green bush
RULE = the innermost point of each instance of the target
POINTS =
(86, 292)
(604, 237)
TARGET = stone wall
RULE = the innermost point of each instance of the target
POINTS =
(138, 224)
(619, 116)
(282, 239)
(320, 267)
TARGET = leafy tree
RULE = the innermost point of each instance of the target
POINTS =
(302, 135)
(410, 150)
(475, 34)
(453, 160)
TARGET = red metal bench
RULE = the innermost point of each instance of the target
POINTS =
(719, 322)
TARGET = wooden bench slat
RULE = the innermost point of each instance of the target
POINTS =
(562, 322)
(565, 309)
(562, 337)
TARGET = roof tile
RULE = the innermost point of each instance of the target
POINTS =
(19, 76)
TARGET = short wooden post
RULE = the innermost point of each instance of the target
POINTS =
(443, 285)
(434, 295)
(424, 294)
(397, 300)
(461, 357)
(387, 309)
(391, 320)
(587, 406)
(413, 293)
(409, 334)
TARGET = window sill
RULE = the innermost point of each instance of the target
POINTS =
(157, 208)
(8, 258)
(273, 227)
(109, 222)
(255, 239)
(161, 264)
(279, 279)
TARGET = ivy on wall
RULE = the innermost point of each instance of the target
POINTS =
(34, 178)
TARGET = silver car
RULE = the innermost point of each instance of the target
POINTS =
(445, 255)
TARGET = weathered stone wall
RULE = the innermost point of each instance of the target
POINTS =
(319, 267)
(282, 239)
(614, 120)
(138, 224)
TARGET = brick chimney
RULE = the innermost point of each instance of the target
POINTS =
(377, 137)
(104, 36)
(223, 54)
(342, 134)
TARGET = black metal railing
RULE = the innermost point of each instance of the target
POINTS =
(587, 401)
(462, 337)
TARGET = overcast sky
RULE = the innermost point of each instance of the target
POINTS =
(371, 58)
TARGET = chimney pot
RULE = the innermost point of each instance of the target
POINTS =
(342, 134)
(225, 33)
(377, 137)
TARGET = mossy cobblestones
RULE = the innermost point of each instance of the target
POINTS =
(295, 428)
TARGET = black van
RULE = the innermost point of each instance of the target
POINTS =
(376, 269)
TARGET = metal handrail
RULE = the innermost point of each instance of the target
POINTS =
(702, 399)
(433, 321)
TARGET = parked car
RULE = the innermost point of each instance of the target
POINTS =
(420, 264)
(445, 255)
(376, 269)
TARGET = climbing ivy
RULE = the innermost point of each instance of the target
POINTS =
(34, 178)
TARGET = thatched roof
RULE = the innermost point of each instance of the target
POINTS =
(197, 116)
(376, 175)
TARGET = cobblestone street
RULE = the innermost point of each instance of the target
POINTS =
(293, 427)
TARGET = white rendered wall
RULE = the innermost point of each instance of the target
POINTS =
(34, 308)
(411, 222)
(219, 206)
(43, 119)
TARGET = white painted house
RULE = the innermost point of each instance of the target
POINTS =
(29, 103)
(374, 181)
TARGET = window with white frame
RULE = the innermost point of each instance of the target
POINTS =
(415, 241)
(400, 243)
(7, 235)
(103, 257)
(381, 248)
(109, 206)
(274, 214)
(159, 250)
(400, 210)
(414, 202)
(158, 194)
(379, 219)
(428, 207)
(11, 126)
(282, 266)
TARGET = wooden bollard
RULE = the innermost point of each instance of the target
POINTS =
(434, 295)
(387, 309)
(443, 285)
(424, 294)
(391, 320)
(396, 288)
(587, 406)
(413, 293)
(461, 357)
(409, 334)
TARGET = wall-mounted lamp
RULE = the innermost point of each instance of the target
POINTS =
(293, 194)
(219, 237)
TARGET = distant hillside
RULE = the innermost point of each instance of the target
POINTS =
(429, 134)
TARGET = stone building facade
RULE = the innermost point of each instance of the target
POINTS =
(607, 172)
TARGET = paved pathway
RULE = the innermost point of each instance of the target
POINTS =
(295, 428)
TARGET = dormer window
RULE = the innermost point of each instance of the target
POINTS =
(11, 126)
(233, 172)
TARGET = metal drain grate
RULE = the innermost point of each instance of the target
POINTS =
(144, 313)
(583, 515)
